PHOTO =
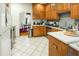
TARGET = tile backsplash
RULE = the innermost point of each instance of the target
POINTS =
(39, 22)
(77, 21)
(64, 21)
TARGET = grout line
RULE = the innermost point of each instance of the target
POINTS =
(35, 47)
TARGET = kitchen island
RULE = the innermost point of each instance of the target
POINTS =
(59, 44)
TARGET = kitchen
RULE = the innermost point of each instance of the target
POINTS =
(42, 29)
(61, 28)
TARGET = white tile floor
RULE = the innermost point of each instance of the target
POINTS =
(36, 46)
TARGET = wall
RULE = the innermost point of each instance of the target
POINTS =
(39, 21)
(16, 9)
(2, 14)
(66, 21)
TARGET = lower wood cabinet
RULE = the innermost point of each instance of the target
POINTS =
(73, 52)
(58, 48)
(39, 30)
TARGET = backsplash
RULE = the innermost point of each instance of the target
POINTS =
(77, 21)
(65, 21)
(39, 22)
(52, 23)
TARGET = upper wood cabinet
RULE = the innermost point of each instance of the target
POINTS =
(38, 11)
(75, 11)
(63, 7)
(48, 13)
(51, 12)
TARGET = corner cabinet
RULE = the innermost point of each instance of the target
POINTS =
(75, 11)
(57, 48)
(38, 11)
(51, 12)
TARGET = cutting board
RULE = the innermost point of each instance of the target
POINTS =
(69, 33)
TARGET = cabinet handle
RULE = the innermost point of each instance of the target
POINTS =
(54, 46)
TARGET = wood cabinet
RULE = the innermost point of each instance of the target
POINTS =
(49, 29)
(63, 7)
(75, 11)
(57, 48)
(38, 11)
(73, 52)
(39, 30)
(48, 13)
(36, 31)
(51, 12)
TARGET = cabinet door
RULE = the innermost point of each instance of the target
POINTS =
(48, 11)
(44, 30)
(59, 8)
(57, 48)
(36, 31)
(63, 7)
(38, 11)
(51, 12)
(41, 30)
(66, 7)
(75, 11)
(53, 48)
(63, 49)
(54, 15)
(72, 52)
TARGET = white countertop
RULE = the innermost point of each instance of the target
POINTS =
(49, 26)
(38, 25)
(74, 46)
(66, 39)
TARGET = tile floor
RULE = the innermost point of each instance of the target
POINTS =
(36, 46)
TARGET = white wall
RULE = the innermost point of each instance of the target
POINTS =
(16, 9)
(2, 14)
